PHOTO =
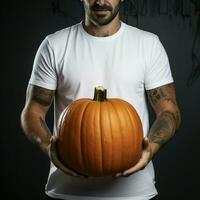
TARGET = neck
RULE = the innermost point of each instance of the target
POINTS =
(102, 31)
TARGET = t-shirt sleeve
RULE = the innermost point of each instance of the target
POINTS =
(158, 70)
(44, 67)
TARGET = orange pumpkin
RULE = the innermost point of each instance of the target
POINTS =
(100, 136)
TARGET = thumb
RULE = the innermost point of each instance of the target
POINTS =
(54, 139)
(53, 146)
(145, 142)
(54, 142)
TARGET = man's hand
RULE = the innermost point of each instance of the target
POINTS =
(55, 159)
(168, 119)
(147, 155)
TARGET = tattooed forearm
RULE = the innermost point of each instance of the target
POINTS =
(163, 101)
(163, 128)
(41, 95)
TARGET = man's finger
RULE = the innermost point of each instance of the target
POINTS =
(140, 165)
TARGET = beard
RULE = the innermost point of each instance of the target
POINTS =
(104, 18)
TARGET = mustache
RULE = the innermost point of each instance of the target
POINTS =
(97, 7)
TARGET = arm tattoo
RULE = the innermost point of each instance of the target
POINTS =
(163, 128)
(168, 119)
(41, 95)
(157, 94)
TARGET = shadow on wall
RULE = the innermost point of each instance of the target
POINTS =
(137, 8)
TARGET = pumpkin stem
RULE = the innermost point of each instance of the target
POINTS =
(100, 94)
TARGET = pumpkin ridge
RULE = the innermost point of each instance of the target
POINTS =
(128, 134)
(133, 130)
(135, 125)
(107, 150)
(71, 129)
(84, 167)
(100, 122)
(94, 158)
(111, 127)
(115, 108)
(62, 129)
(122, 109)
(80, 114)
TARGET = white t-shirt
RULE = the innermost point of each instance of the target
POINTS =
(127, 63)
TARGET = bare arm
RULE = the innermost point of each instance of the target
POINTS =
(168, 118)
(38, 102)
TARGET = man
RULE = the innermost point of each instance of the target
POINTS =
(129, 63)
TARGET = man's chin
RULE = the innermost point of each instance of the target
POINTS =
(102, 22)
(102, 19)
